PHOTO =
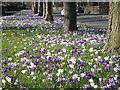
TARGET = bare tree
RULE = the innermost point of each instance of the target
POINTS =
(113, 34)
(70, 16)
(48, 15)
(35, 6)
(40, 8)
(44, 8)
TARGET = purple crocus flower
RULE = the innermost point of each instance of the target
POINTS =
(110, 51)
(49, 76)
(71, 71)
(3, 61)
(71, 80)
(4, 69)
(6, 49)
(104, 80)
(38, 57)
(36, 63)
(101, 60)
(51, 58)
(86, 87)
(107, 67)
(86, 74)
(59, 79)
(51, 65)
(45, 41)
(57, 50)
(82, 63)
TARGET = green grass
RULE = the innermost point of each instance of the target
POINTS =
(17, 40)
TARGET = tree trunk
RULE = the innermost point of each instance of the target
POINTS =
(48, 16)
(35, 6)
(40, 10)
(44, 8)
(70, 16)
(113, 33)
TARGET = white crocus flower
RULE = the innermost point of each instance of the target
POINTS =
(96, 52)
(91, 50)
(75, 76)
(92, 84)
(91, 80)
(34, 77)
(32, 73)
(100, 79)
(58, 74)
(92, 41)
(99, 57)
(32, 65)
(102, 50)
(116, 69)
(83, 46)
(61, 57)
(73, 60)
(48, 53)
(111, 62)
(16, 82)
(8, 79)
(38, 36)
(91, 55)
(90, 63)
(96, 59)
(64, 50)
(82, 74)
(60, 70)
(106, 58)
(95, 86)
(95, 66)
(71, 66)
(24, 71)
(9, 59)
(3, 81)
(92, 69)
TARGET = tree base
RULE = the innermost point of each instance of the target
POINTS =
(40, 14)
(49, 18)
(113, 49)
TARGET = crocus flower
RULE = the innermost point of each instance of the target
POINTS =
(86, 86)
(4, 69)
(8, 79)
(24, 71)
(75, 76)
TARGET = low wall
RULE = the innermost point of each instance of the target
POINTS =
(91, 9)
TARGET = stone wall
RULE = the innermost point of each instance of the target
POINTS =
(91, 9)
(95, 7)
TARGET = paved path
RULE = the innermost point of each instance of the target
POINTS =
(93, 20)
(99, 21)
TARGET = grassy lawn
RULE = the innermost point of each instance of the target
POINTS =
(34, 58)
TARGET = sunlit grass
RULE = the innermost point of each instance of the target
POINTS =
(53, 50)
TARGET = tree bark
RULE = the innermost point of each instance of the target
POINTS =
(113, 33)
(40, 10)
(70, 16)
(35, 6)
(44, 8)
(48, 16)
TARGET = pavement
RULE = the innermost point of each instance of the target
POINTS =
(91, 20)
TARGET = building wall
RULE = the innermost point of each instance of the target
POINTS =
(96, 8)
